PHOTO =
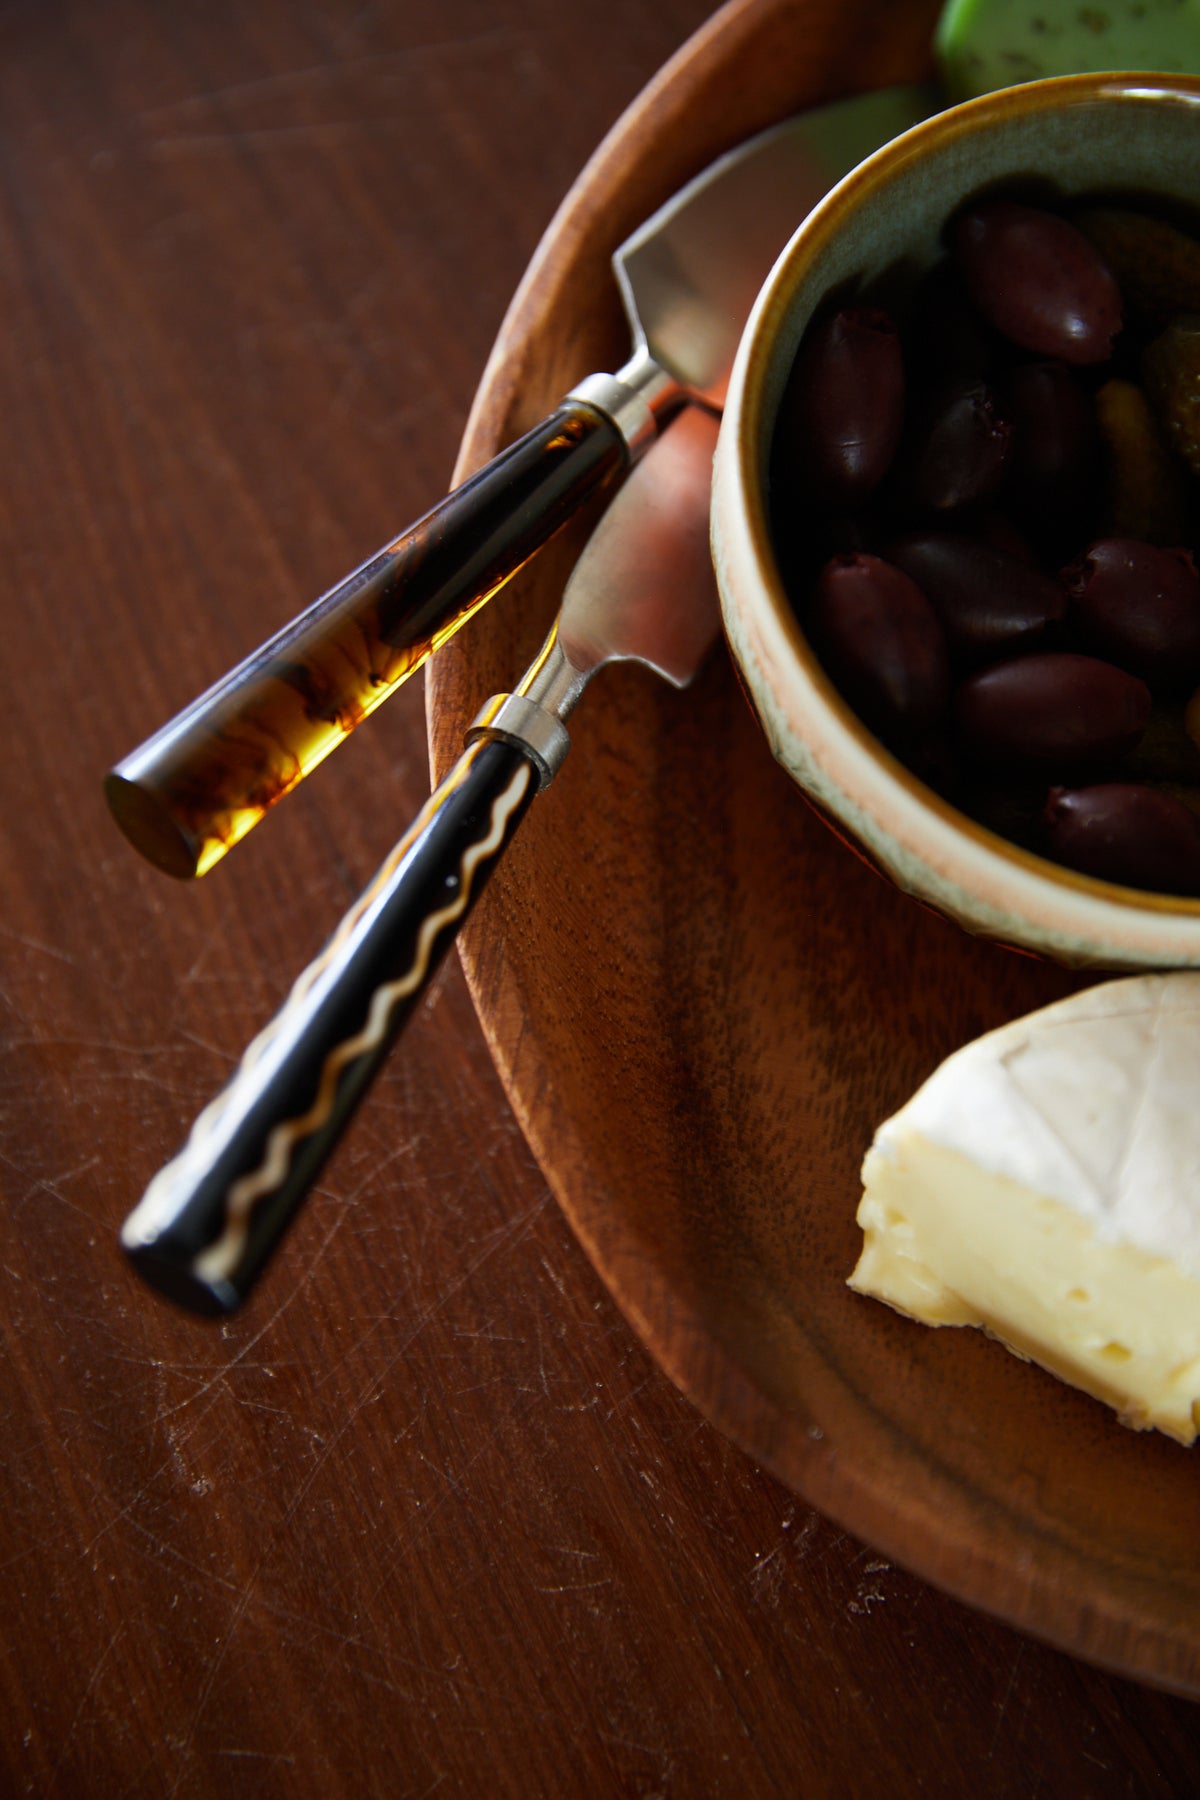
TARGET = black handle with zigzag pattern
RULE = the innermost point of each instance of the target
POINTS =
(211, 1218)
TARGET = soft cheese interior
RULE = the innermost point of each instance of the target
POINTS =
(1045, 1183)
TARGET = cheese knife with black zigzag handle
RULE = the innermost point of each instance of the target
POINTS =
(644, 591)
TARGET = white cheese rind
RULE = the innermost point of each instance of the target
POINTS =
(1045, 1184)
(1094, 1101)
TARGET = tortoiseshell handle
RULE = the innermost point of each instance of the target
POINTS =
(209, 1220)
(207, 777)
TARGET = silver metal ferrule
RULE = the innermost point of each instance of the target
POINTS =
(514, 719)
(532, 718)
(636, 398)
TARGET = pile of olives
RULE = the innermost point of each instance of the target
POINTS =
(985, 508)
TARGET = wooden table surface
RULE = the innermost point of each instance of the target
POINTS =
(426, 1518)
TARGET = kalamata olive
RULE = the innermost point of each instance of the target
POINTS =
(1123, 831)
(881, 642)
(991, 604)
(1139, 606)
(1066, 714)
(843, 411)
(1038, 280)
(975, 467)
(958, 451)
(1054, 462)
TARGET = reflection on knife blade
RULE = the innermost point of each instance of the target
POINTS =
(688, 277)
(690, 274)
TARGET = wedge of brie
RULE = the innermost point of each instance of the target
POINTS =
(1045, 1184)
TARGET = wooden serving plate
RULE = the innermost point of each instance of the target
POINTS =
(701, 1004)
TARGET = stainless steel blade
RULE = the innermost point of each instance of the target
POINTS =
(643, 591)
(690, 274)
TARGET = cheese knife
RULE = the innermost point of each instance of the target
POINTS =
(688, 278)
(644, 591)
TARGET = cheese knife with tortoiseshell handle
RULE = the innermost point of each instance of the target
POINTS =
(643, 590)
(688, 278)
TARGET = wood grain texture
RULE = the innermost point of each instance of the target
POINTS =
(427, 1518)
(768, 1000)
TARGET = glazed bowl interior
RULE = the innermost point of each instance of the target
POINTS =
(1112, 136)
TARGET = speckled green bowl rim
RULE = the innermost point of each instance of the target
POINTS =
(929, 848)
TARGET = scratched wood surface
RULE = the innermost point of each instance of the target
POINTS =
(426, 1518)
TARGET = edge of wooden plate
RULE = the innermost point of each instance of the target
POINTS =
(754, 62)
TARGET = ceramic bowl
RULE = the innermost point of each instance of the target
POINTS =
(1083, 134)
